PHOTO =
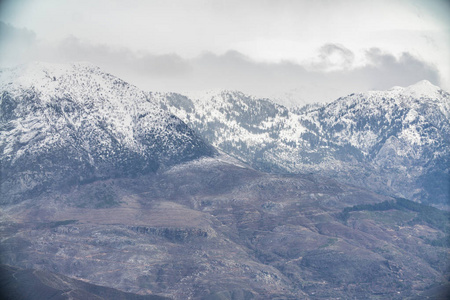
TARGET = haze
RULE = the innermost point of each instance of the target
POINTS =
(295, 52)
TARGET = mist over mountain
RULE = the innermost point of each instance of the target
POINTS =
(108, 191)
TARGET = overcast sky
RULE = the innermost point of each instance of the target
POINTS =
(296, 51)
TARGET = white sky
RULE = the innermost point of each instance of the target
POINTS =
(312, 50)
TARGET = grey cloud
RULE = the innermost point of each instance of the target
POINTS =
(146, 64)
(377, 57)
(387, 71)
(236, 71)
(334, 55)
(15, 43)
(11, 33)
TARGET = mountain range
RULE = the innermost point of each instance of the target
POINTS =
(110, 190)
(394, 142)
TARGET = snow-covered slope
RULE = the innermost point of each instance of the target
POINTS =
(403, 133)
(395, 142)
(75, 123)
(241, 125)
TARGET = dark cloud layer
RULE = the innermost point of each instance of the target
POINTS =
(168, 65)
(236, 71)
(386, 70)
(232, 70)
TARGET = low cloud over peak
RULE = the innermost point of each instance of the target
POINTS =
(333, 57)
(331, 75)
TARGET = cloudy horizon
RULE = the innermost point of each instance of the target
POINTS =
(295, 52)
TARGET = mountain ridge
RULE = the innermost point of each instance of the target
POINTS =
(348, 137)
(83, 124)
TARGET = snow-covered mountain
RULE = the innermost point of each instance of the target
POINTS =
(93, 191)
(75, 123)
(84, 124)
(395, 142)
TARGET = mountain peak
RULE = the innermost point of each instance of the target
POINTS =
(423, 84)
(422, 88)
(38, 69)
(77, 117)
(47, 77)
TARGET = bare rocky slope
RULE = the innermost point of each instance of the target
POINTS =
(27, 284)
(101, 185)
(214, 229)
